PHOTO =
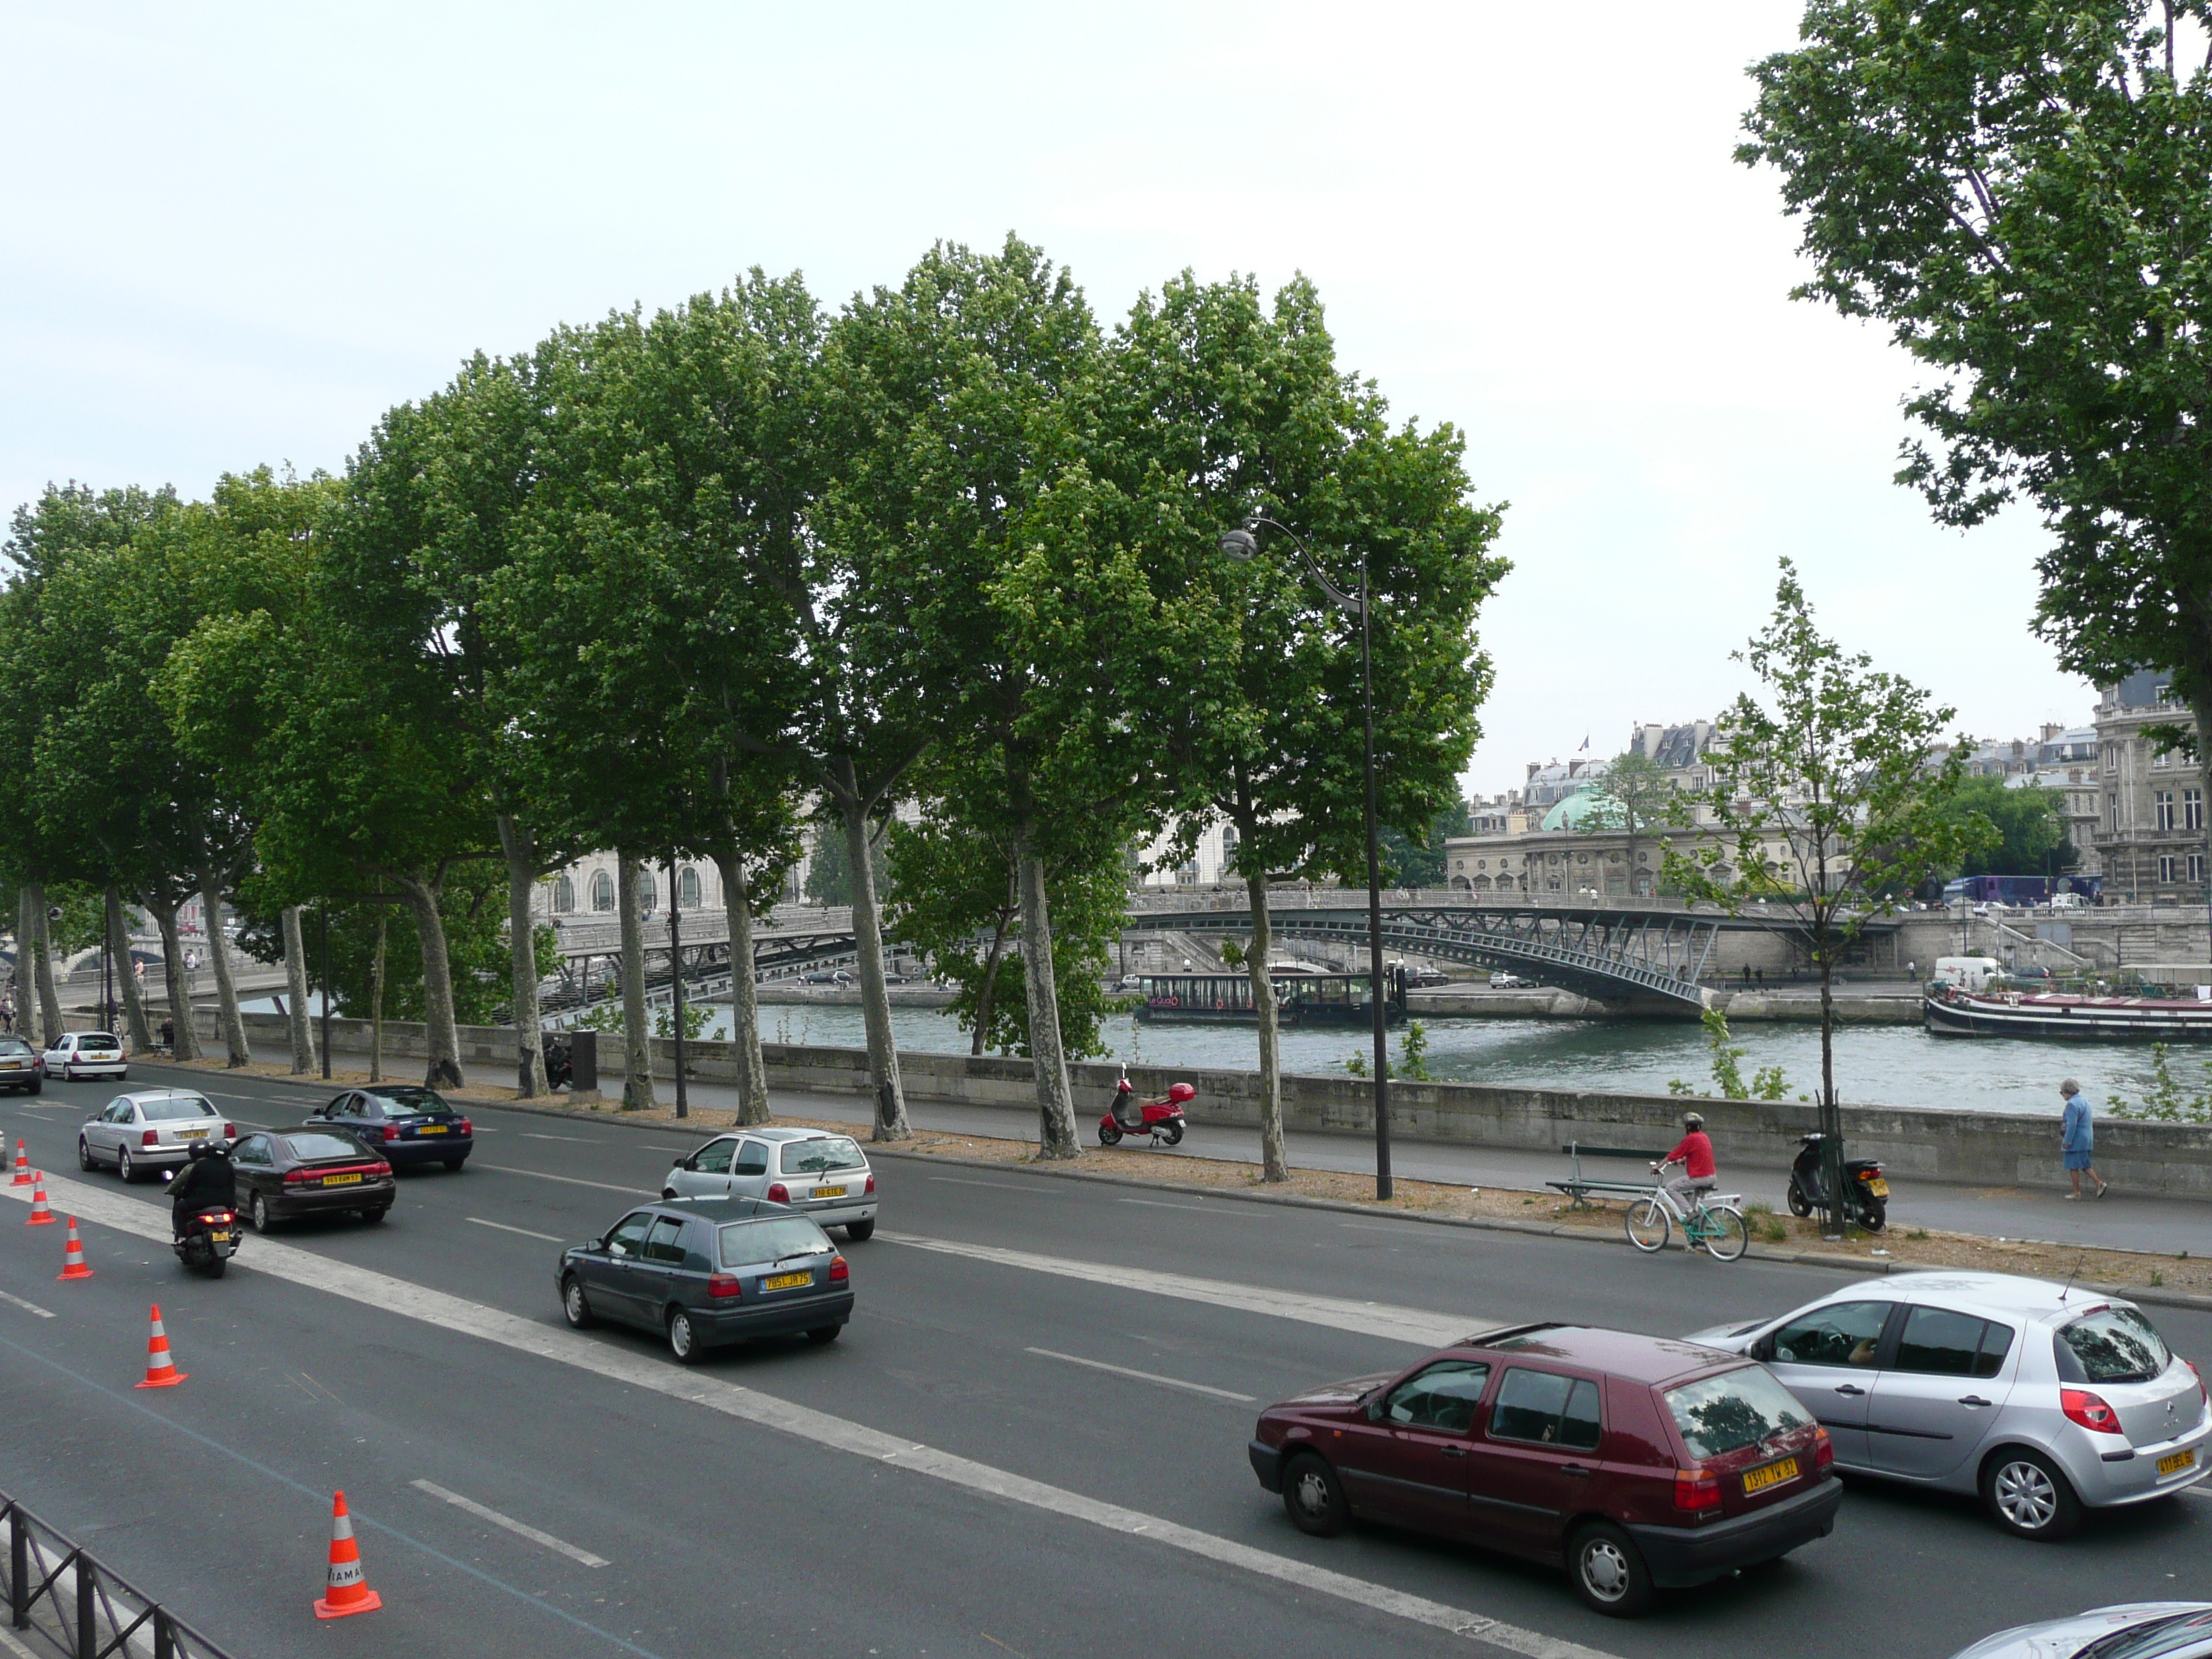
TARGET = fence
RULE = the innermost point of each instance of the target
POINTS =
(69, 1605)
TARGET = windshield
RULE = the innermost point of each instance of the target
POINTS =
(413, 1102)
(1738, 1408)
(2112, 1345)
(314, 1146)
(745, 1242)
(829, 1152)
(2179, 1633)
(165, 1111)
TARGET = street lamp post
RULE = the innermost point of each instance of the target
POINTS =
(1243, 543)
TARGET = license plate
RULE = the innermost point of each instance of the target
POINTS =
(786, 1281)
(191, 1134)
(829, 1192)
(1771, 1475)
(218, 1238)
(342, 1180)
(1878, 1186)
(431, 1129)
(2178, 1462)
(11, 1065)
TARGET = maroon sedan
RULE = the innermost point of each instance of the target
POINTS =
(1637, 1461)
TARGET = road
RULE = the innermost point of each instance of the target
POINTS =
(948, 1480)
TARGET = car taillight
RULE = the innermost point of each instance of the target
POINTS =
(1824, 1450)
(390, 1132)
(839, 1271)
(1696, 1490)
(230, 1132)
(870, 1188)
(778, 1193)
(379, 1168)
(2199, 1375)
(465, 1127)
(294, 1177)
(725, 1284)
(2090, 1413)
(151, 1138)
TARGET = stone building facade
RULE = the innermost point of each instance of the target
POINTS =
(2150, 839)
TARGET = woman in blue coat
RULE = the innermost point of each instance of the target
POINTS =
(2077, 1138)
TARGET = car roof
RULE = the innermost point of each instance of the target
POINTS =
(785, 1133)
(2013, 1293)
(138, 1096)
(1624, 1354)
(719, 1209)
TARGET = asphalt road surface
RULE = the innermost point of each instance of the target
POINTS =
(1030, 1440)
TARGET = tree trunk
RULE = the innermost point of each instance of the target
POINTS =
(442, 1067)
(520, 847)
(744, 997)
(986, 994)
(42, 967)
(1273, 1166)
(28, 899)
(225, 990)
(141, 1035)
(185, 1044)
(1056, 1130)
(296, 981)
(875, 996)
(375, 1000)
(637, 1038)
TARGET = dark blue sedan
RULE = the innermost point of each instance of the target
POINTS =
(406, 1126)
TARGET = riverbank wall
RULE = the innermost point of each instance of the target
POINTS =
(2170, 1160)
(1886, 1005)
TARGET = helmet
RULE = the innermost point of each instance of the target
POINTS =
(198, 1150)
(1694, 1121)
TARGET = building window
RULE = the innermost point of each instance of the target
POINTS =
(2115, 805)
(2197, 866)
(2162, 809)
(602, 891)
(564, 895)
(687, 888)
(2160, 760)
(2165, 869)
(2192, 809)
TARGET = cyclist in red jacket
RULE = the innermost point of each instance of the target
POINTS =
(1695, 1154)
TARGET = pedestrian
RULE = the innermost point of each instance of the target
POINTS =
(2077, 1138)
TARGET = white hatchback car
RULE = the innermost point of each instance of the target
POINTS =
(85, 1053)
(2044, 1399)
(151, 1129)
(824, 1175)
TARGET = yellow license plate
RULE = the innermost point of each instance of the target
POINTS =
(342, 1180)
(786, 1281)
(219, 1238)
(431, 1129)
(11, 1065)
(191, 1134)
(829, 1192)
(1878, 1186)
(2178, 1462)
(1772, 1474)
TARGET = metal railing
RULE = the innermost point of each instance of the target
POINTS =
(61, 1600)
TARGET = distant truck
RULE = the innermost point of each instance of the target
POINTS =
(1968, 973)
(2019, 892)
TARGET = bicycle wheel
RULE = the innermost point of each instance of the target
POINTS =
(1648, 1228)
(1722, 1232)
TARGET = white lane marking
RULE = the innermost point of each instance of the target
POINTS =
(995, 1185)
(504, 1228)
(1147, 1376)
(580, 1140)
(1421, 1329)
(1202, 1209)
(27, 1307)
(619, 1364)
(513, 1525)
(567, 1181)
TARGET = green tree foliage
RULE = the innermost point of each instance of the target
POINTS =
(1635, 799)
(2017, 192)
(2165, 1101)
(829, 872)
(1410, 863)
(1768, 1083)
(473, 906)
(2029, 828)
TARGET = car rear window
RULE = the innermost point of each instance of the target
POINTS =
(13, 1046)
(315, 1145)
(167, 1111)
(744, 1242)
(413, 1102)
(829, 1152)
(1720, 1414)
(2110, 1344)
(96, 1040)
(2180, 1633)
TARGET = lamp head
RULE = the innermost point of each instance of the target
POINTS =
(1239, 543)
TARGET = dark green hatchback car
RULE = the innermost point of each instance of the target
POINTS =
(708, 1271)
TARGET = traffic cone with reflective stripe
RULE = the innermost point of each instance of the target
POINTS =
(160, 1371)
(73, 1257)
(22, 1168)
(346, 1591)
(41, 1215)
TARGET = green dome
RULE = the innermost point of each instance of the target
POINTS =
(1577, 812)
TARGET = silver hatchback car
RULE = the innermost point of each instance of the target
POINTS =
(823, 1176)
(2041, 1398)
(151, 1128)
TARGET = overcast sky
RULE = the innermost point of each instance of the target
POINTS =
(236, 235)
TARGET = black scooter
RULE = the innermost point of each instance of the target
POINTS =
(1865, 1188)
(209, 1240)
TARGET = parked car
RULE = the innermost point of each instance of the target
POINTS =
(708, 1272)
(2040, 1399)
(823, 1176)
(85, 1053)
(21, 1067)
(150, 1129)
(313, 1170)
(1418, 978)
(1639, 1463)
(2139, 1629)
(839, 977)
(409, 1126)
(1502, 981)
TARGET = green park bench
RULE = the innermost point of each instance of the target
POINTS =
(1579, 1186)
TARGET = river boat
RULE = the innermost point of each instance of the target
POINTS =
(1301, 999)
(1953, 1011)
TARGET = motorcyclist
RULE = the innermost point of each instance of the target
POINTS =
(1695, 1154)
(206, 1181)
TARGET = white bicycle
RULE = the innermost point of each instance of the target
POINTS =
(1716, 1223)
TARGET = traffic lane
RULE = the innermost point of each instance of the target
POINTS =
(709, 1526)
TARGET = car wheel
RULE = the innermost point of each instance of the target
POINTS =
(258, 1213)
(574, 1306)
(861, 1231)
(823, 1335)
(38, 1086)
(1314, 1497)
(84, 1154)
(124, 1167)
(453, 1164)
(682, 1339)
(377, 1214)
(1608, 1570)
(2028, 1495)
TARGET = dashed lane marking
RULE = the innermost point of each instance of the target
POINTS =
(502, 1226)
(1146, 1376)
(517, 1527)
(27, 1307)
(1201, 1209)
(567, 1181)
(580, 1140)
(620, 1364)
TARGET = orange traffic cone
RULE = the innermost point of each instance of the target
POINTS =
(346, 1591)
(160, 1371)
(41, 1215)
(22, 1168)
(73, 1257)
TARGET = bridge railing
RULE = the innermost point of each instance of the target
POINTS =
(61, 1600)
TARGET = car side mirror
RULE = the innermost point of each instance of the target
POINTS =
(689, 1162)
(1763, 1349)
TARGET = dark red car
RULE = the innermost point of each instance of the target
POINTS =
(1637, 1461)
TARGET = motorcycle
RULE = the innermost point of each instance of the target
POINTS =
(208, 1241)
(1162, 1119)
(1865, 1188)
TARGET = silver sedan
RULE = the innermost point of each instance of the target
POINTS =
(2140, 1629)
(825, 1176)
(150, 1130)
(2042, 1398)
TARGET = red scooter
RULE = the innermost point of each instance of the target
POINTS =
(1162, 1119)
